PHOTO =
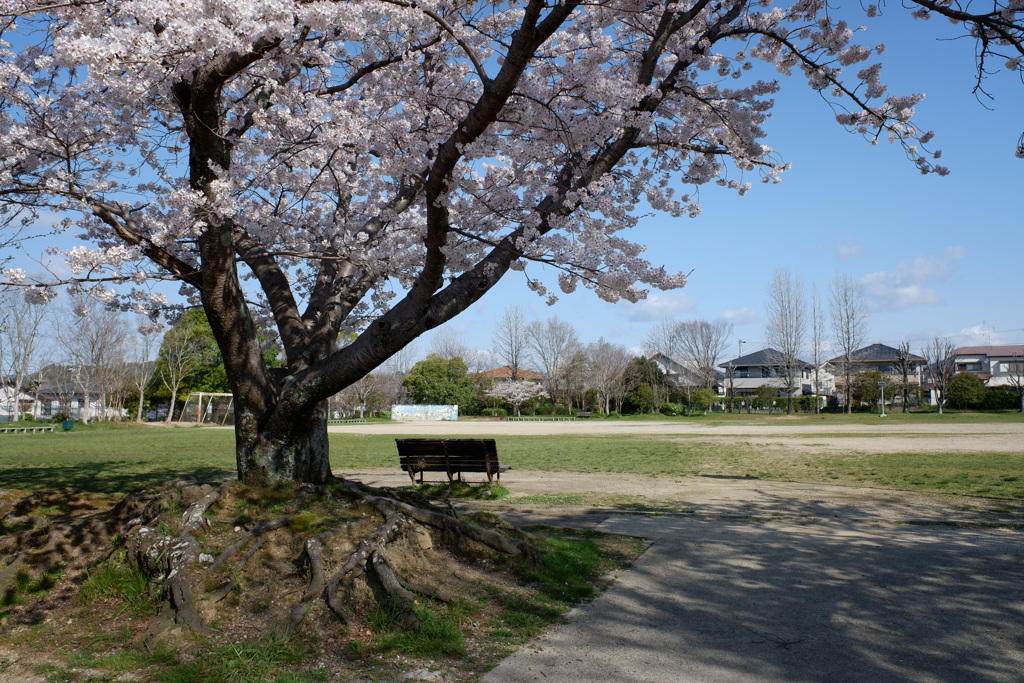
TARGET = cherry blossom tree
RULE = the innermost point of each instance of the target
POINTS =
(516, 393)
(376, 167)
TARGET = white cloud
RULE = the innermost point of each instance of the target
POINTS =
(910, 283)
(980, 335)
(739, 316)
(658, 306)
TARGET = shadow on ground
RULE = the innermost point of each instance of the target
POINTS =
(738, 599)
(105, 476)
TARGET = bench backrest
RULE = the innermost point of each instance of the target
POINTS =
(458, 454)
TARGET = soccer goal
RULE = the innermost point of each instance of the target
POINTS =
(208, 408)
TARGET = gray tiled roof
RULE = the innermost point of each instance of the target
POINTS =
(769, 357)
(876, 353)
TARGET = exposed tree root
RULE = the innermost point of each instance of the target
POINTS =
(339, 550)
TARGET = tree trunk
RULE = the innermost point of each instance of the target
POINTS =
(294, 449)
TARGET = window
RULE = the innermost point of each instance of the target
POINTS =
(1015, 366)
(969, 367)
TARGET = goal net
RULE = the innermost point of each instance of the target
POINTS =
(208, 408)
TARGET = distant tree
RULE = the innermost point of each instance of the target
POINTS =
(188, 352)
(765, 396)
(866, 389)
(440, 381)
(1014, 369)
(849, 328)
(95, 345)
(817, 330)
(606, 364)
(785, 328)
(510, 343)
(447, 343)
(553, 344)
(21, 348)
(941, 366)
(516, 393)
(965, 391)
(644, 373)
(143, 366)
(701, 344)
(702, 400)
(639, 400)
(904, 365)
(663, 338)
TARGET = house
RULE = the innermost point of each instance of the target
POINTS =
(880, 358)
(996, 366)
(884, 359)
(14, 404)
(685, 375)
(746, 373)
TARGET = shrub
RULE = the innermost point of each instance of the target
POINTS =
(670, 409)
(385, 414)
(1000, 398)
(965, 391)
(494, 412)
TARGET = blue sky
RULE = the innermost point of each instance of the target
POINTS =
(937, 256)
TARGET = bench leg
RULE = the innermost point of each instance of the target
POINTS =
(412, 477)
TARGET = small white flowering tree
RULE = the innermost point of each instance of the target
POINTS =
(516, 393)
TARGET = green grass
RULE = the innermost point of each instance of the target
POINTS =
(109, 459)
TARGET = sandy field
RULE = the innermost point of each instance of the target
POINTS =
(801, 435)
(745, 497)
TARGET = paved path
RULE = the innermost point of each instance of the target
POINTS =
(736, 600)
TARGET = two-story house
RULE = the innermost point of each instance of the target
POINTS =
(995, 365)
(745, 374)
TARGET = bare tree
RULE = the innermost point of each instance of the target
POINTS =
(510, 342)
(401, 361)
(142, 363)
(95, 347)
(849, 328)
(663, 338)
(904, 364)
(554, 343)
(1015, 376)
(701, 343)
(817, 312)
(606, 363)
(20, 331)
(941, 360)
(786, 328)
(447, 343)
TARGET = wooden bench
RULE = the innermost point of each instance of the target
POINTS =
(583, 414)
(356, 420)
(27, 430)
(451, 456)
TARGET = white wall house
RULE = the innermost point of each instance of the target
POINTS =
(746, 373)
(997, 366)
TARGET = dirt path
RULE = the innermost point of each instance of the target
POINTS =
(548, 491)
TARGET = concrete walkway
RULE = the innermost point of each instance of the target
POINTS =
(731, 600)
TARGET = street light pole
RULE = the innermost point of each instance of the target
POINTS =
(881, 398)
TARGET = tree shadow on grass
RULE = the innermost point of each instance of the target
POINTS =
(104, 476)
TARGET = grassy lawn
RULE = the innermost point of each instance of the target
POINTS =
(116, 459)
